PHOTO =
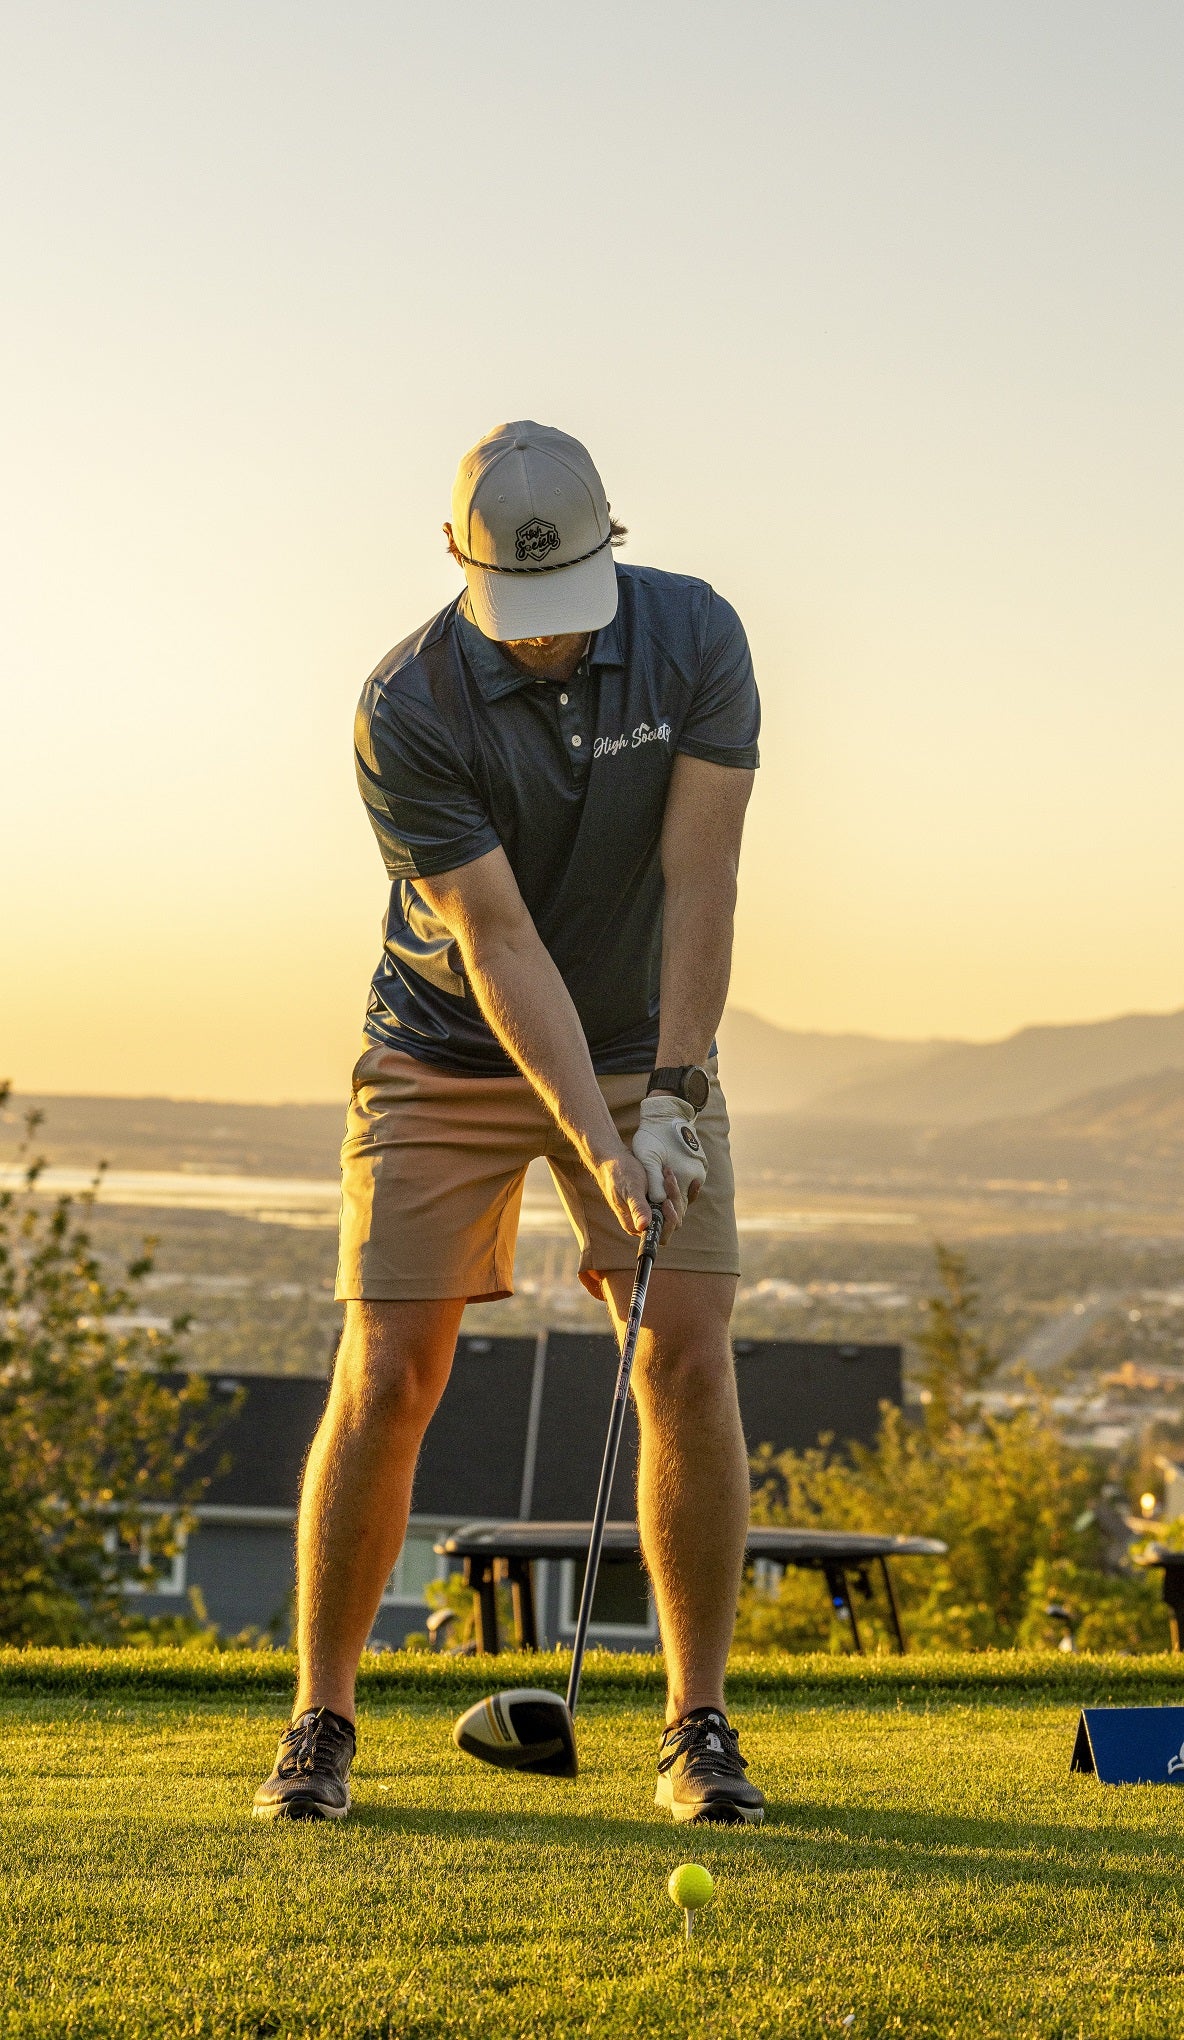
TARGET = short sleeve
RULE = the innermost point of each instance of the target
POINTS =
(723, 721)
(423, 807)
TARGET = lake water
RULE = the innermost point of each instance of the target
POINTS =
(305, 1201)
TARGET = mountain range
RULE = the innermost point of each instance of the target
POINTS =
(1133, 1131)
(1036, 1070)
(777, 1069)
(939, 1083)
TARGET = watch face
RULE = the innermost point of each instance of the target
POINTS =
(696, 1086)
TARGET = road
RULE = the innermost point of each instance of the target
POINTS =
(1054, 1343)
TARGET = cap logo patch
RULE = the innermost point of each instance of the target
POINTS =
(535, 539)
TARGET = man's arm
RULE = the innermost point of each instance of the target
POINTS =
(701, 832)
(529, 1009)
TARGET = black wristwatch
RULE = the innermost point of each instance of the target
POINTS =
(689, 1082)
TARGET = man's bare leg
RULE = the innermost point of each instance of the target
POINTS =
(392, 1367)
(693, 1488)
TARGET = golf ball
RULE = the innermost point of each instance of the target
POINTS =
(690, 1886)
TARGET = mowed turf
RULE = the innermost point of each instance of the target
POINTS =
(928, 1868)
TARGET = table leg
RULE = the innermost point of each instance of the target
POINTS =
(840, 1594)
(479, 1575)
(893, 1610)
(522, 1595)
(1173, 1593)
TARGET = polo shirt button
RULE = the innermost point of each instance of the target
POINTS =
(563, 701)
(576, 742)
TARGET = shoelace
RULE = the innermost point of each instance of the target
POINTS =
(314, 1743)
(707, 1746)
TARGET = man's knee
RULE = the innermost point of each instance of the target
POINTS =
(685, 1349)
(691, 1372)
(393, 1362)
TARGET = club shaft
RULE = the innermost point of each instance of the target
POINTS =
(612, 1446)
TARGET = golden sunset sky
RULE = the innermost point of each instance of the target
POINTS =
(870, 313)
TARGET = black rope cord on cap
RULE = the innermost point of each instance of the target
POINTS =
(556, 568)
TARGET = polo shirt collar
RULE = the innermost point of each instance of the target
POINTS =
(495, 672)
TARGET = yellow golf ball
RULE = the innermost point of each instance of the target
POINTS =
(690, 1886)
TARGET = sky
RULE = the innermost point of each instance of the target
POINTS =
(870, 313)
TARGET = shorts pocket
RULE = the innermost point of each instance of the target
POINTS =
(358, 1076)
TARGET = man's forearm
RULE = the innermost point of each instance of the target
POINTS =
(696, 966)
(529, 1008)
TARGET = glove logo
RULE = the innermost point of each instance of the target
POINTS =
(689, 1140)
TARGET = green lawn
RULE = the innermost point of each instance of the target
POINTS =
(929, 1865)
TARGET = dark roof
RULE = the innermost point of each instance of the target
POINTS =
(795, 1391)
(476, 1442)
(267, 1439)
(792, 1392)
(577, 1396)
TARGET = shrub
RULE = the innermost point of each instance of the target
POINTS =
(94, 1434)
(1014, 1504)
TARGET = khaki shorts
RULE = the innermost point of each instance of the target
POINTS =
(432, 1170)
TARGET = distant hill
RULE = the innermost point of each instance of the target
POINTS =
(777, 1069)
(1135, 1128)
(179, 1133)
(1033, 1071)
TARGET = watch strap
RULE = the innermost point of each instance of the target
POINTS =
(673, 1077)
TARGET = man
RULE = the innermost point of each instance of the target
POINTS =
(557, 769)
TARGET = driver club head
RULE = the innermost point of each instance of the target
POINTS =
(524, 1729)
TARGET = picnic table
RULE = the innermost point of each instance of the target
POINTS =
(1171, 1564)
(505, 1551)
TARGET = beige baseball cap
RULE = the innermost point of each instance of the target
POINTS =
(531, 523)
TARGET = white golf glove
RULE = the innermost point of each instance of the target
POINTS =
(666, 1139)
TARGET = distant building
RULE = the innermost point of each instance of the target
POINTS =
(518, 1434)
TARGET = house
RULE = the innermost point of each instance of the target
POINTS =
(519, 1433)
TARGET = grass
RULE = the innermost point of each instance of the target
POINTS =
(929, 1867)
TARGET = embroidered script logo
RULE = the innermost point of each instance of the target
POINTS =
(535, 539)
(631, 740)
(1176, 1763)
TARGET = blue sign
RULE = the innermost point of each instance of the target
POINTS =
(1131, 1745)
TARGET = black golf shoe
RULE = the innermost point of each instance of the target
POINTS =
(701, 1772)
(311, 1776)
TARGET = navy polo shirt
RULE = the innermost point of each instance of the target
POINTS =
(458, 751)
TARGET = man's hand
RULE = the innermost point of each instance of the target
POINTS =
(622, 1182)
(671, 1153)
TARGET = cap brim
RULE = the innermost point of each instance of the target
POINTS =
(580, 597)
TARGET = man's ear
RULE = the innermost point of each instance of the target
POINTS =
(452, 545)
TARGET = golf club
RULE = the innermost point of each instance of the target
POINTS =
(527, 1729)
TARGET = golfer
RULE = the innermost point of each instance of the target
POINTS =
(556, 768)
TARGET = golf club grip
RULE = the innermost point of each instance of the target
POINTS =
(612, 1445)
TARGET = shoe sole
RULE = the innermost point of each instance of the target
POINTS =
(307, 1809)
(707, 1812)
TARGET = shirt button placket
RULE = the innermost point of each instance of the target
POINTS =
(571, 723)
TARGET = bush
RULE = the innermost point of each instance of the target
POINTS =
(1012, 1501)
(94, 1435)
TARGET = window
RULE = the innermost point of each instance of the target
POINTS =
(414, 1570)
(767, 1576)
(622, 1605)
(170, 1572)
